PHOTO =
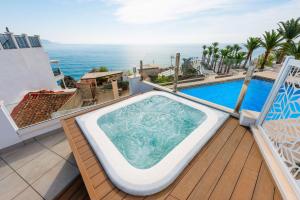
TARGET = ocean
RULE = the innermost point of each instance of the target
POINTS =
(76, 60)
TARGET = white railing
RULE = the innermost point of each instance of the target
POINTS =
(10, 41)
(279, 122)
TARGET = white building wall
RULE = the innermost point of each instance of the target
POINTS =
(8, 129)
(23, 70)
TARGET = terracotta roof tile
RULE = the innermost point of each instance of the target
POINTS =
(38, 106)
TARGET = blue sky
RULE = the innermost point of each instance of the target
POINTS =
(145, 21)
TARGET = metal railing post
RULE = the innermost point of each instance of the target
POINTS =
(27, 40)
(134, 72)
(13, 39)
(115, 89)
(176, 72)
(244, 88)
(141, 70)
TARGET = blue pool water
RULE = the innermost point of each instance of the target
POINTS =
(226, 93)
(146, 131)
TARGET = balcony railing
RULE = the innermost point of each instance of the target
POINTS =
(10, 41)
(21, 41)
(34, 41)
(7, 41)
(279, 122)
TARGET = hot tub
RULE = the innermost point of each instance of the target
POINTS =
(144, 142)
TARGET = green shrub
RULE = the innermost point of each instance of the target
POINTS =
(163, 79)
(100, 69)
(270, 60)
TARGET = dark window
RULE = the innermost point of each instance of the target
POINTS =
(7, 42)
(34, 41)
(56, 71)
(22, 43)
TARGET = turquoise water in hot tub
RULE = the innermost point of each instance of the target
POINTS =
(146, 131)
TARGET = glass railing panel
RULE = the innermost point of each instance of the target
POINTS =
(56, 71)
(21, 41)
(34, 41)
(6, 41)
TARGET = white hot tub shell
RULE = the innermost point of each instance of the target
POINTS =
(154, 179)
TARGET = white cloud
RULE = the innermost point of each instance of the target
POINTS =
(238, 27)
(151, 11)
(188, 21)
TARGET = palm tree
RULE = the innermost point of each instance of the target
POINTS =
(278, 55)
(215, 50)
(239, 57)
(236, 48)
(224, 53)
(215, 44)
(205, 52)
(203, 56)
(214, 58)
(230, 62)
(228, 59)
(252, 44)
(294, 49)
(289, 30)
(271, 40)
(229, 47)
(210, 52)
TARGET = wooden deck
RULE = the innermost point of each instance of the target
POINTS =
(229, 166)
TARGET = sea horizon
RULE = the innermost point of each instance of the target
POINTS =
(77, 59)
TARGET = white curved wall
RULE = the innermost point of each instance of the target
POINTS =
(8, 129)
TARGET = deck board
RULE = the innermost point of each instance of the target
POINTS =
(76, 191)
(229, 178)
(115, 194)
(189, 181)
(207, 183)
(264, 187)
(229, 166)
(247, 180)
(277, 195)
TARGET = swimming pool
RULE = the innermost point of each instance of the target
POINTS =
(226, 93)
(144, 142)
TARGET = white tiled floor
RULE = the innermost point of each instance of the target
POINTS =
(5, 170)
(55, 179)
(39, 169)
(11, 186)
(28, 194)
